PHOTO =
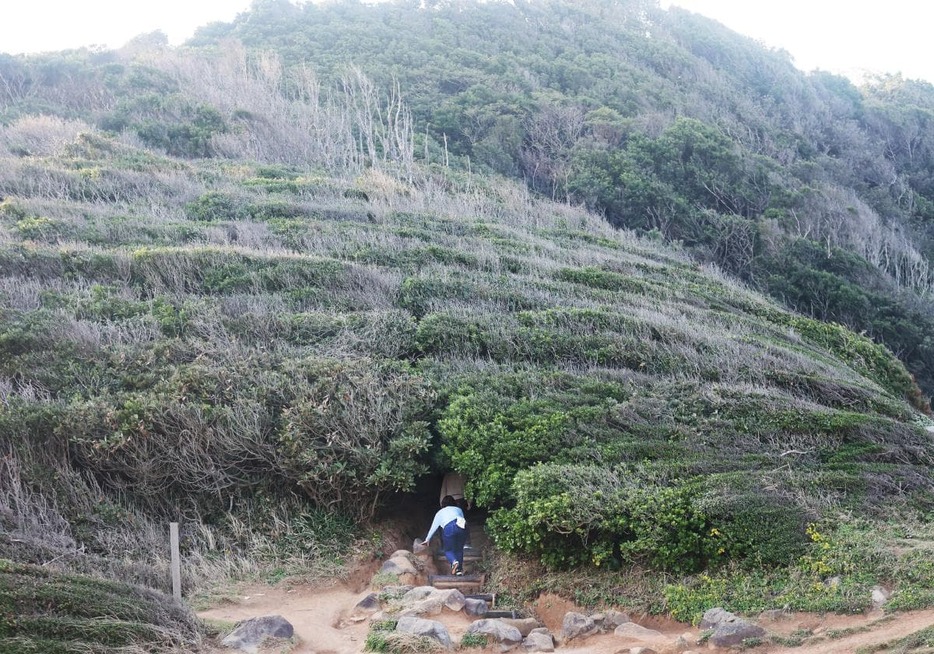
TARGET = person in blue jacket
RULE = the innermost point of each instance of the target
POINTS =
(450, 520)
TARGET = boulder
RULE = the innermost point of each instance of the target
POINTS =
(524, 625)
(507, 636)
(632, 631)
(398, 565)
(537, 641)
(734, 632)
(417, 594)
(713, 617)
(250, 634)
(729, 629)
(430, 628)
(642, 650)
(577, 625)
(452, 599)
(426, 600)
(365, 608)
(613, 619)
(879, 596)
(431, 605)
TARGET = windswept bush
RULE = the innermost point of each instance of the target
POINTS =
(356, 431)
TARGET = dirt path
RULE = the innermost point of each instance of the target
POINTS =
(867, 630)
(317, 615)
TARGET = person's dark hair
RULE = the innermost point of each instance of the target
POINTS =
(448, 500)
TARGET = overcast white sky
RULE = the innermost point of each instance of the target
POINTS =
(841, 36)
(848, 37)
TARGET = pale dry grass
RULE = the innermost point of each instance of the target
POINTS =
(40, 136)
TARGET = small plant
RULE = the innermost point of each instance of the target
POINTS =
(474, 641)
(376, 641)
(383, 637)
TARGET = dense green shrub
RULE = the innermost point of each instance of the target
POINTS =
(491, 443)
(215, 206)
(356, 432)
(573, 514)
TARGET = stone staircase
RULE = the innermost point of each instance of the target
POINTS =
(471, 582)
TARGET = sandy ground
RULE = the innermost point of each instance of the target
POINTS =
(317, 613)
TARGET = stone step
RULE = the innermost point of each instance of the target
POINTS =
(467, 584)
(489, 598)
(507, 613)
(469, 555)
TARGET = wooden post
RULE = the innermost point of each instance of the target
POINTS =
(176, 562)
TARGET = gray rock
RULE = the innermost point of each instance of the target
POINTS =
(729, 629)
(250, 634)
(417, 594)
(431, 605)
(613, 619)
(430, 628)
(476, 607)
(501, 632)
(399, 565)
(452, 599)
(365, 608)
(632, 631)
(880, 596)
(427, 600)
(577, 625)
(539, 642)
(734, 632)
(524, 625)
(713, 617)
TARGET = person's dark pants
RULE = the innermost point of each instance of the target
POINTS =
(453, 539)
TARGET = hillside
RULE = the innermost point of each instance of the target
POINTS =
(815, 191)
(806, 187)
(235, 294)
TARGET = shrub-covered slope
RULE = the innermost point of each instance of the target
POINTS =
(810, 189)
(204, 337)
(814, 190)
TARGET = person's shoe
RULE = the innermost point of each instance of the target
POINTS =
(455, 569)
(459, 573)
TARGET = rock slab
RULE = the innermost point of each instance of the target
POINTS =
(250, 634)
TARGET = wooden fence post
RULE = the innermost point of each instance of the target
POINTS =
(176, 562)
